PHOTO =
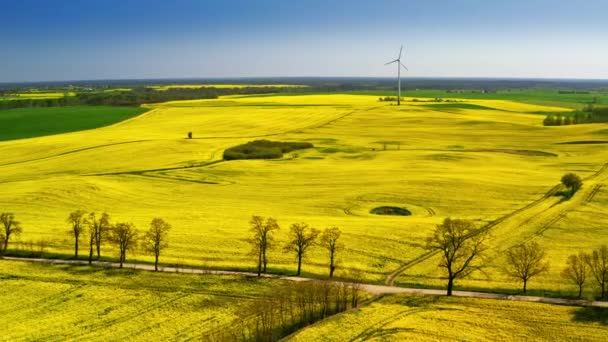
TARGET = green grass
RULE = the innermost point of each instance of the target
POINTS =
(538, 96)
(34, 122)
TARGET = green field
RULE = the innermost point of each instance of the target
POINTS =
(23, 123)
(473, 163)
(63, 302)
(416, 318)
(540, 96)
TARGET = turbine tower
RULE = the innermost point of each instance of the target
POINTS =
(399, 65)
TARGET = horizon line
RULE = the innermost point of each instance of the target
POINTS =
(505, 78)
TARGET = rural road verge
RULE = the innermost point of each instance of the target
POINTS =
(371, 288)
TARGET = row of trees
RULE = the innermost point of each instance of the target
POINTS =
(286, 310)
(582, 266)
(138, 95)
(123, 235)
(301, 239)
(462, 248)
(589, 114)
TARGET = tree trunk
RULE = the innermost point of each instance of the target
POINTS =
(299, 264)
(91, 253)
(260, 263)
(525, 285)
(75, 246)
(122, 258)
(331, 265)
(580, 291)
(265, 260)
(450, 285)
(5, 246)
(98, 245)
(156, 262)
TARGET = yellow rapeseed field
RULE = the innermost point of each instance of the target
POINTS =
(417, 318)
(480, 163)
(65, 302)
(224, 86)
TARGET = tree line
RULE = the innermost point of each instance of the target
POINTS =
(288, 309)
(589, 114)
(122, 235)
(301, 238)
(138, 96)
(462, 248)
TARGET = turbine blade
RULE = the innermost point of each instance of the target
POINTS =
(391, 62)
(400, 50)
(403, 65)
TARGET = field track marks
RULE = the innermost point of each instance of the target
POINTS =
(74, 151)
(535, 213)
(371, 288)
(293, 130)
(593, 192)
(142, 172)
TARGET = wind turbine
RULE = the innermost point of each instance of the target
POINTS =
(399, 65)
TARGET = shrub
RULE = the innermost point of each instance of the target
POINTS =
(263, 149)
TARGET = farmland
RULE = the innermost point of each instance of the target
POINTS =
(107, 304)
(33, 122)
(223, 86)
(418, 318)
(489, 160)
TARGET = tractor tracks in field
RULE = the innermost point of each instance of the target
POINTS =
(74, 151)
(593, 192)
(526, 215)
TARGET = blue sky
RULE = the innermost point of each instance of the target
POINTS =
(112, 39)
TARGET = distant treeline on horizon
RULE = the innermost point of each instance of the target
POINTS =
(337, 83)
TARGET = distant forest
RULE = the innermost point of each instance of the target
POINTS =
(96, 92)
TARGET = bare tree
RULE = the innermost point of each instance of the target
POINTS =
(576, 271)
(77, 221)
(460, 244)
(598, 265)
(102, 232)
(301, 237)
(329, 240)
(526, 261)
(11, 227)
(93, 227)
(261, 240)
(124, 236)
(156, 238)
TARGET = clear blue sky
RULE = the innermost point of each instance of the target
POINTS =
(88, 39)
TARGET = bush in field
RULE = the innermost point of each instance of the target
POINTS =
(572, 182)
(263, 149)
